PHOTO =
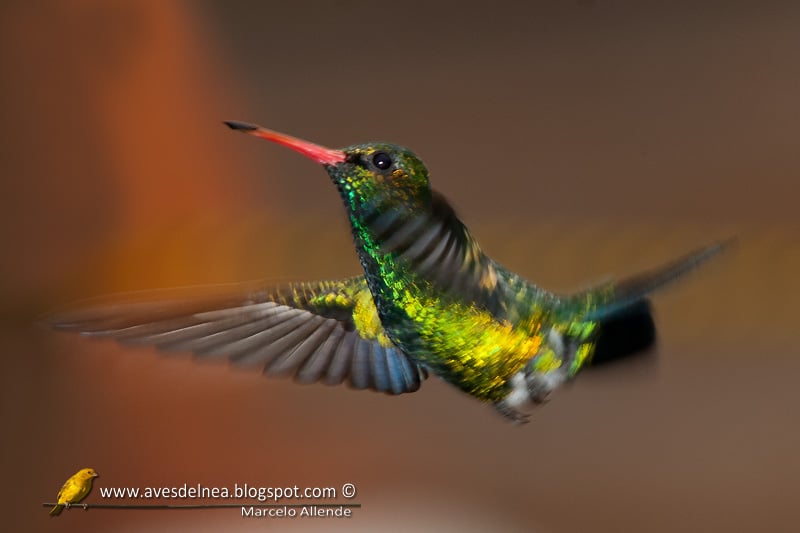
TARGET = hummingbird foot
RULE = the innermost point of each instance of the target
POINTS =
(541, 385)
(512, 414)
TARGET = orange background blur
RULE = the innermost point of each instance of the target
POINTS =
(579, 140)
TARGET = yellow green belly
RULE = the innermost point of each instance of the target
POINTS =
(465, 345)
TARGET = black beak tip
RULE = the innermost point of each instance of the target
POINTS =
(240, 126)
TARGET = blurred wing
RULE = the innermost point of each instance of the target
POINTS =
(610, 298)
(306, 330)
(438, 248)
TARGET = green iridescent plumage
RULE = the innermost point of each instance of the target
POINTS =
(429, 301)
(477, 336)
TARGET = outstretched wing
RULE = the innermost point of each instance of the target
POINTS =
(437, 247)
(610, 298)
(325, 331)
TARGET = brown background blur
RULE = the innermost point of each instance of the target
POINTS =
(579, 140)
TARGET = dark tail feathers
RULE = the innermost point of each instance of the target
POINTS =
(626, 332)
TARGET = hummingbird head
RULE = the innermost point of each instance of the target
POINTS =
(366, 175)
(381, 174)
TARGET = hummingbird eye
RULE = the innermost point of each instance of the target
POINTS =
(381, 160)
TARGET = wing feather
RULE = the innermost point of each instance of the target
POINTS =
(304, 330)
(436, 246)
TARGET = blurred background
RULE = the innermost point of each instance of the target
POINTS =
(579, 140)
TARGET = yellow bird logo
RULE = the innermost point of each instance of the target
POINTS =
(74, 490)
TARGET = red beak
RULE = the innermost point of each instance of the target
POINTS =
(320, 154)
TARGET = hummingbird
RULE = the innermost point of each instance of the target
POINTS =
(429, 302)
